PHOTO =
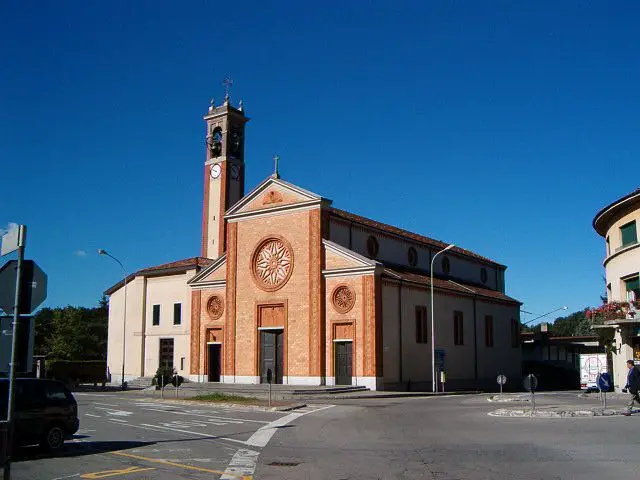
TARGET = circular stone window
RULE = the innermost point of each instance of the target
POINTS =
(372, 246)
(412, 256)
(483, 275)
(343, 298)
(446, 265)
(215, 307)
(272, 263)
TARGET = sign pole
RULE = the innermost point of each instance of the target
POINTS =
(22, 237)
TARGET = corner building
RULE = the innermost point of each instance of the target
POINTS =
(286, 283)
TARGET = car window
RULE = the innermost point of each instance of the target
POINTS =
(56, 393)
(28, 395)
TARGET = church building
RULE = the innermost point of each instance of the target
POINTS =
(287, 283)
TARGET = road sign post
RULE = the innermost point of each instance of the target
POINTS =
(502, 379)
(269, 378)
(530, 384)
(22, 237)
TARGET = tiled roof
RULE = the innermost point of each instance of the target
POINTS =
(448, 285)
(351, 217)
(178, 266)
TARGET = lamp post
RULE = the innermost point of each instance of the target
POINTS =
(544, 315)
(124, 322)
(433, 332)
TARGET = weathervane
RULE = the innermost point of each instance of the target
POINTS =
(227, 85)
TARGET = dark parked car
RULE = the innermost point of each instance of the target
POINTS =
(46, 412)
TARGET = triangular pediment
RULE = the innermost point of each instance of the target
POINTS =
(338, 257)
(214, 274)
(274, 194)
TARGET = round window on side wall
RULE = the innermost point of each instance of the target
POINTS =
(412, 256)
(483, 275)
(446, 265)
(372, 246)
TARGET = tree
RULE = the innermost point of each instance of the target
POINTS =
(72, 333)
(574, 324)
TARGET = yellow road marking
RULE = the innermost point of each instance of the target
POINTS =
(180, 465)
(114, 473)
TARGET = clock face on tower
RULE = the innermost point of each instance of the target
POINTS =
(216, 170)
(235, 171)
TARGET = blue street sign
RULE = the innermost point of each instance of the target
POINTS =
(604, 382)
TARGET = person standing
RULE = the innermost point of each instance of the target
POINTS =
(632, 386)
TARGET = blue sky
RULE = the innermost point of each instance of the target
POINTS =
(500, 126)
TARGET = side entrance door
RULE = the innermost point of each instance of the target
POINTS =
(166, 352)
(214, 352)
(343, 362)
(271, 355)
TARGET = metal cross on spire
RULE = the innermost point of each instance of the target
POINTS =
(276, 160)
(228, 82)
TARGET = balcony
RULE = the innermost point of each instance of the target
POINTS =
(622, 247)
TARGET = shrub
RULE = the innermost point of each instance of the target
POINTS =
(167, 375)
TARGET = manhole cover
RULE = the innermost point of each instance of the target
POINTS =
(284, 464)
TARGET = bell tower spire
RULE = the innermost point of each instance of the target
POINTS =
(224, 170)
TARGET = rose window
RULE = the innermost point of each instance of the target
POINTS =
(344, 299)
(272, 263)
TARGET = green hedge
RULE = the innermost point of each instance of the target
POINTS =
(77, 371)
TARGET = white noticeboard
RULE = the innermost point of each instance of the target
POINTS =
(10, 241)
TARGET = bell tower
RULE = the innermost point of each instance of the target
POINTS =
(223, 172)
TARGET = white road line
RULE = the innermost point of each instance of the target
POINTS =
(242, 465)
(264, 434)
(216, 417)
(91, 415)
(119, 420)
(194, 433)
(106, 404)
(66, 476)
(111, 411)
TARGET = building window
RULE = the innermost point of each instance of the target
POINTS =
(458, 328)
(488, 330)
(629, 234)
(422, 329)
(515, 333)
(177, 313)
(156, 315)
(182, 363)
(608, 247)
(412, 256)
(483, 275)
(446, 265)
(372, 246)
(632, 287)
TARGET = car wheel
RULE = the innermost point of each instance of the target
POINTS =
(53, 438)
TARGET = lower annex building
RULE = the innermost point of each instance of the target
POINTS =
(287, 282)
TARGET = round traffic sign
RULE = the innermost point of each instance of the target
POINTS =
(604, 381)
(530, 383)
(502, 379)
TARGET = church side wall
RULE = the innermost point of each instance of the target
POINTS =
(134, 331)
(167, 291)
(413, 359)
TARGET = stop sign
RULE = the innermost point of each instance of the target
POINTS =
(33, 287)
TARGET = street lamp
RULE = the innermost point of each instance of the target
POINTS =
(544, 315)
(433, 332)
(124, 322)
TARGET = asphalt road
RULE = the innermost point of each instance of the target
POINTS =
(453, 438)
(124, 436)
